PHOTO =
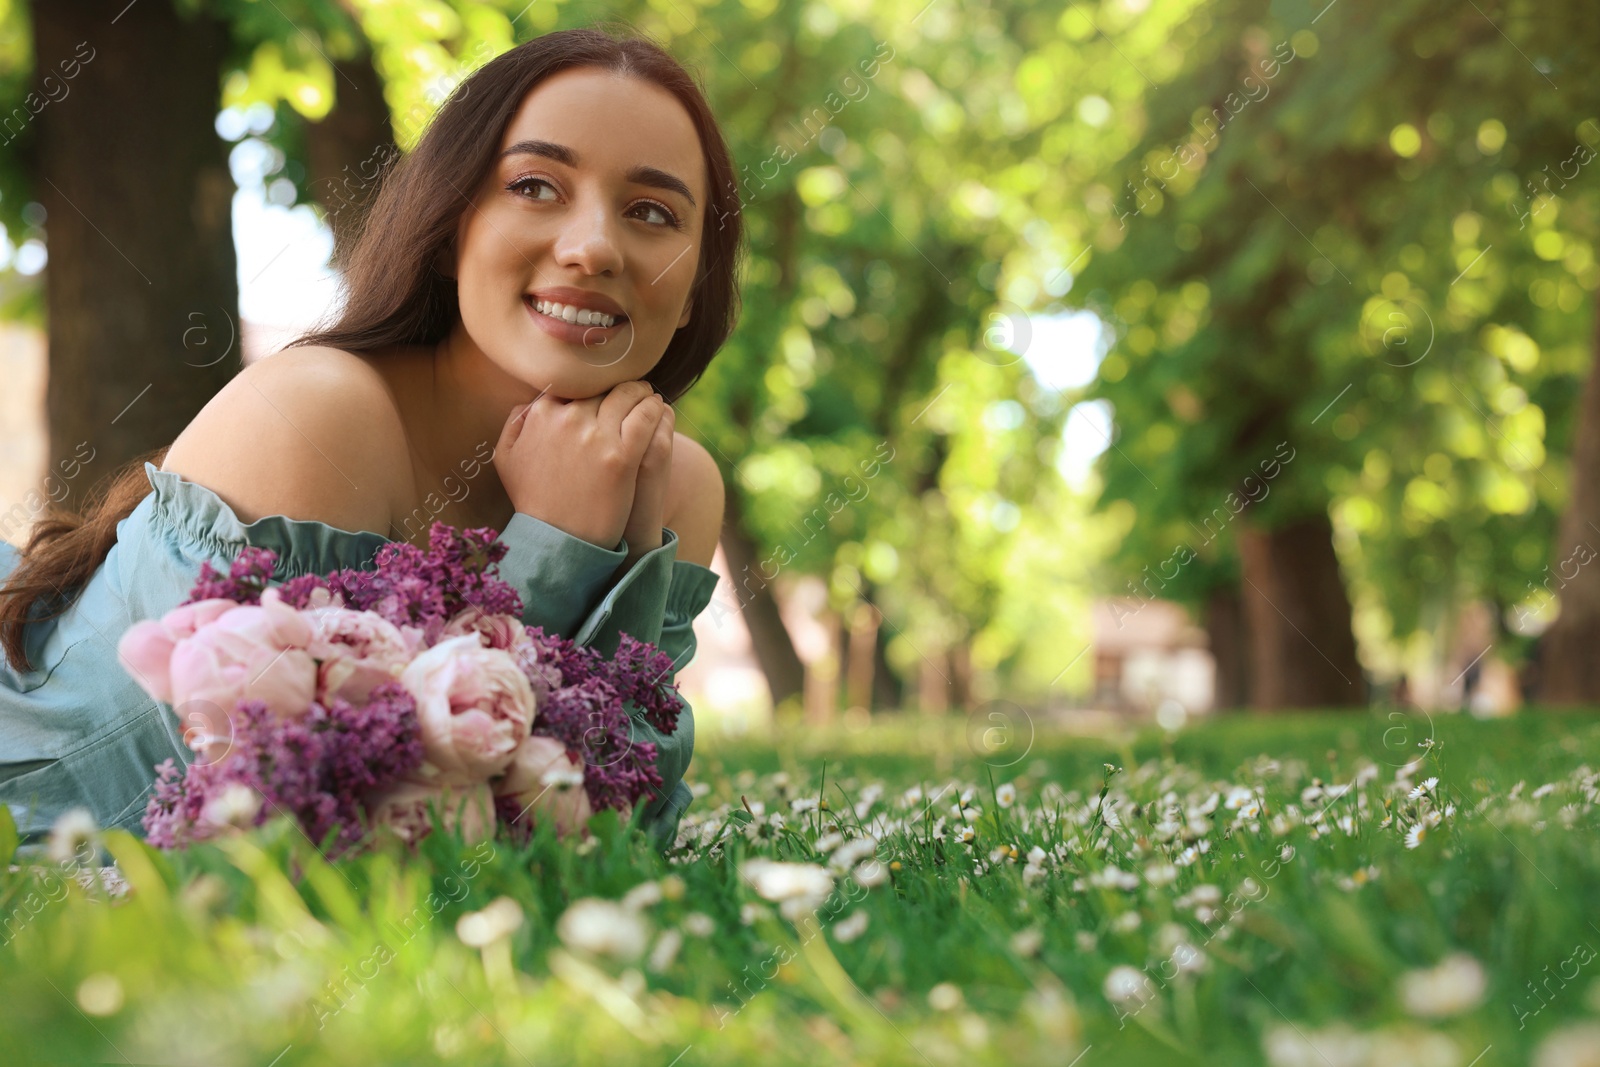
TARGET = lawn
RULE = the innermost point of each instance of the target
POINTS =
(1318, 890)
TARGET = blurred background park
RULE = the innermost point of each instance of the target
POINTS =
(1126, 360)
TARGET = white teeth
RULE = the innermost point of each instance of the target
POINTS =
(575, 315)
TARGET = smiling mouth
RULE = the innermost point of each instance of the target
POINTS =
(574, 316)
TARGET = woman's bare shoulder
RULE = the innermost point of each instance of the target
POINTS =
(309, 432)
(696, 496)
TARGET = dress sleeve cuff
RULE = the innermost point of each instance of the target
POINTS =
(637, 603)
(558, 575)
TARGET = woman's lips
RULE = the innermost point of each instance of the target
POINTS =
(576, 333)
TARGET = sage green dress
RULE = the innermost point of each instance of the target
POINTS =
(78, 731)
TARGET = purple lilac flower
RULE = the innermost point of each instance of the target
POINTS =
(590, 720)
(245, 580)
(586, 709)
(319, 768)
(636, 671)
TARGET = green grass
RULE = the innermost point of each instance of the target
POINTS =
(256, 952)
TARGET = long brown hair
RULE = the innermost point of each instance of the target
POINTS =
(393, 295)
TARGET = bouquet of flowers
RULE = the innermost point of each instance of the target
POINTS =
(365, 698)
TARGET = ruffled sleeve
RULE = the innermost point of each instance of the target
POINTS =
(201, 522)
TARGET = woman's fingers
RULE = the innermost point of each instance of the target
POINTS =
(621, 402)
(513, 428)
(640, 425)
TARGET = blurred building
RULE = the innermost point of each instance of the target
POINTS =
(1149, 653)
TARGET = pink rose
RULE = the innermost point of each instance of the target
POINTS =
(468, 809)
(474, 705)
(497, 631)
(357, 652)
(546, 784)
(146, 649)
(248, 653)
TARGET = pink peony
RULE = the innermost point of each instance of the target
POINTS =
(357, 652)
(146, 649)
(546, 784)
(251, 652)
(497, 631)
(474, 704)
(468, 809)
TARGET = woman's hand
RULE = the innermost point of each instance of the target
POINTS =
(643, 531)
(575, 464)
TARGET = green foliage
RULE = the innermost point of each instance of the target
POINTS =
(1324, 235)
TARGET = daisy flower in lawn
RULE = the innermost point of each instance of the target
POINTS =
(795, 887)
(1006, 795)
(1423, 789)
(1160, 874)
(604, 928)
(1126, 984)
(1573, 1046)
(699, 924)
(848, 929)
(851, 853)
(966, 835)
(1415, 835)
(1027, 942)
(73, 833)
(500, 918)
(1456, 985)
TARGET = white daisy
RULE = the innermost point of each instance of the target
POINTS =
(846, 930)
(1456, 985)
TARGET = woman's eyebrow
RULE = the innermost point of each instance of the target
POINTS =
(639, 174)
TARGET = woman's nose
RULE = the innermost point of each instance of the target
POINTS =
(588, 240)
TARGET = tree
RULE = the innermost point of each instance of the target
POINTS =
(141, 293)
(1264, 259)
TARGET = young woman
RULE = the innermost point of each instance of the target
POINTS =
(535, 284)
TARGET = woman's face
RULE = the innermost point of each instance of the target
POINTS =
(595, 202)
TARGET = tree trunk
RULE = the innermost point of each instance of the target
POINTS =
(1569, 670)
(1226, 633)
(142, 296)
(347, 152)
(822, 676)
(864, 622)
(1302, 652)
(888, 689)
(960, 660)
(774, 648)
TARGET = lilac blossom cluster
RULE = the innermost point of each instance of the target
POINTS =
(319, 768)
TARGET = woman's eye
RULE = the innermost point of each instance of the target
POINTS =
(667, 217)
(521, 185)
